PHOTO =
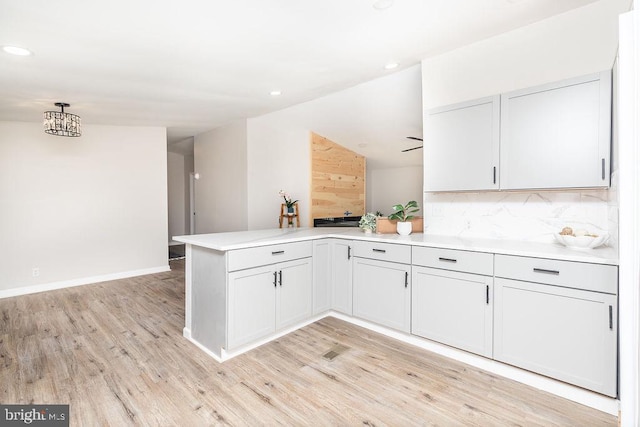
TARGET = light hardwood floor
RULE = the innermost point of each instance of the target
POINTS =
(114, 351)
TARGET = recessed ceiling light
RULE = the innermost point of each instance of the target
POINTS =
(391, 66)
(275, 93)
(15, 50)
(382, 4)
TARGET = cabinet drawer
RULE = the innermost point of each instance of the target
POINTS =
(570, 274)
(240, 259)
(383, 251)
(447, 259)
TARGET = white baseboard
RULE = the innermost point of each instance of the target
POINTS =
(25, 290)
(576, 394)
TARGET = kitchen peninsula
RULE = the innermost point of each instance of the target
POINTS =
(514, 308)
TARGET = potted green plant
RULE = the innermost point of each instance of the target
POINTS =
(288, 201)
(403, 214)
(368, 222)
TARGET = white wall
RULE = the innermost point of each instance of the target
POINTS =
(176, 194)
(279, 158)
(221, 192)
(80, 208)
(394, 186)
(574, 43)
(578, 42)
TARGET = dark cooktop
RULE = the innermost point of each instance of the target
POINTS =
(343, 221)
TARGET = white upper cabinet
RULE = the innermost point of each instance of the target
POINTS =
(461, 146)
(557, 135)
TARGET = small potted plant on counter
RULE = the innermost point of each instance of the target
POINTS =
(368, 222)
(403, 215)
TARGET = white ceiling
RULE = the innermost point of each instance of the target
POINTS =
(193, 65)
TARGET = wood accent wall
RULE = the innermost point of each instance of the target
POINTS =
(337, 179)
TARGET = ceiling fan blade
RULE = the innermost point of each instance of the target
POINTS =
(411, 149)
(415, 138)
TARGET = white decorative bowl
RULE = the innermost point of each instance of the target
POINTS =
(581, 242)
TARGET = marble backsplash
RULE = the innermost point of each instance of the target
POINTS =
(527, 215)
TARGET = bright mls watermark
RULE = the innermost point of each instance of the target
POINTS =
(36, 415)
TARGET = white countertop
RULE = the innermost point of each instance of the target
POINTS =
(248, 239)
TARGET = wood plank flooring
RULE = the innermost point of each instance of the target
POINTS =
(114, 351)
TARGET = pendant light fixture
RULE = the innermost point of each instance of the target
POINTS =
(60, 123)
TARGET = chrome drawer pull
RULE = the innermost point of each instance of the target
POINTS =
(542, 270)
(448, 259)
(277, 253)
(379, 250)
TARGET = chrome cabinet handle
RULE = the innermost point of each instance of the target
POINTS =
(280, 274)
(494, 174)
(448, 259)
(348, 252)
(379, 250)
(487, 294)
(277, 252)
(611, 317)
(603, 169)
(406, 279)
(545, 271)
(275, 279)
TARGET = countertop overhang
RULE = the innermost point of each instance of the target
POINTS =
(248, 239)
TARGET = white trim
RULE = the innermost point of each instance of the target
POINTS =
(25, 290)
(226, 355)
(558, 388)
(629, 223)
(187, 334)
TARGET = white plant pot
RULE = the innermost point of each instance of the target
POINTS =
(404, 228)
(367, 231)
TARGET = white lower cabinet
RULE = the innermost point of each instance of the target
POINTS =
(453, 308)
(252, 305)
(555, 318)
(265, 299)
(341, 274)
(567, 334)
(382, 293)
(558, 318)
(294, 294)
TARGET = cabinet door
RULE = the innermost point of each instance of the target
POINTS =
(557, 135)
(251, 311)
(342, 291)
(321, 275)
(382, 293)
(461, 146)
(453, 308)
(567, 334)
(295, 292)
